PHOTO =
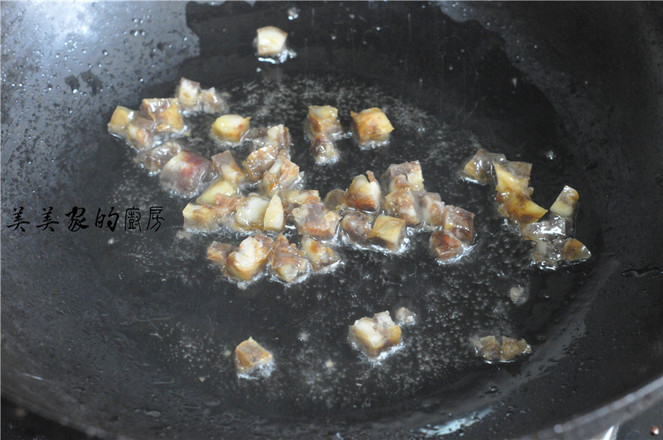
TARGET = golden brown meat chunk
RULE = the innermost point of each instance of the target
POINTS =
(141, 133)
(357, 226)
(432, 210)
(250, 212)
(194, 99)
(286, 261)
(404, 175)
(186, 173)
(270, 41)
(260, 161)
(445, 246)
(218, 252)
(479, 168)
(375, 335)
(156, 158)
(323, 149)
(230, 128)
(297, 197)
(251, 356)
(120, 119)
(282, 175)
(460, 223)
(205, 217)
(388, 232)
(371, 126)
(566, 203)
(224, 164)
(321, 256)
(323, 119)
(218, 187)
(250, 258)
(402, 203)
(315, 220)
(364, 193)
(274, 219)
(166, 113)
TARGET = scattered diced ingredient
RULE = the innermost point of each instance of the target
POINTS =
(270, 41)
(298, 197)
(274, 219)
(371, 127)
(120, 119)
(218, 252)
(324, 149)
(282, 175)
(250, 212)
(260, 161)
(250, 356)
(405, 316)
(432, 210)
(230, 128)
(492, 350)
(224, 164)
(565, 204)
(518, 295)
(375, 335)
(186, 173)
(251, 257)
(357, 226)
(402, 203)
(204, 217)
(315, 220)
(166, 113)
(194, 99)
(388, 232)
(156, 158)
(459, 222)
(218, 187)
(364, 193)
(322, 128)
(321, 256)
(445, 246)
(141, 133)
(404, 175)
(286, 261)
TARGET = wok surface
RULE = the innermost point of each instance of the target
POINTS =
(81, 316)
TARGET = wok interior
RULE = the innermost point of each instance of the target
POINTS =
(145, 316)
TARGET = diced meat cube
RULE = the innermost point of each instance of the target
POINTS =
(120, 119)
(323, 149)
(404, 175)
(388, 232)
(279, 136)
(218, 187)
(274, 219)
(405, 316)
(335, 199)
(250, 212)
(282, 175)
(403, 204)
(479, 168)
(432, 210)
(518, 295)
(573, 250)
(512, 177)
(230, 128)
(357, 226)
(323, 119)
(364, 193)
(521, 208)
(204, 217)
(186, 173)
(212, 101)
(459, 222)
(156, 158)
(260, 161)
(286, 261)
(548, 253)
(315, 220)
(224, 163)
(141, 133)
(250, 258)
(545, 229)
(188, 93)
(488, 347)
(251, 356)
(270, 41)
(166, 113)
(445, 246)
(371, 126)
(566, 203)
(513, 347)
(375, 335)
(218, 252)
(297, 197)
(320, 255)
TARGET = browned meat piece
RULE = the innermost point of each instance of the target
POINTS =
(156, 158)
(459, 222)
(432, 210)
(270, 41)
(251, 257)
(445, 246)
(297, 197)
(205, 217)
(479, 169)
(512, 177)
(323, 119)
(405, 316)
(566, 203)
(224, 164)
(388, 232)
(277, 136)
(371, 127)
(513, 347)
(520, 208)
(375, 335)
(573, 250)
(364, 193)
(186, 173)
(220, 189)
(250, 212)
(218, 252)
(120, 119)
(166, 113)
(194, 99)
(321, 256)
(323, 149)
(212, 101)
(315, 220)
(229, 129)
(274, 219)
(141, 133)
(545, 229)
(335, 199)
(403, 204)
(251, 356)
(286, 261)
(260, 161)
(357, 226)
(282, 175)
(489, 348)
(404, 175)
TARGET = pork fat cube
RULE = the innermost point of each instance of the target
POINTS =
(488, 347)
(445, 246)
(324, 149)
(156, 158)
(251, 257)
(218, 187)
(566, 203)
(403, 204)
(250, 356)
(224, 163)
(479, 168)
(512, 347)
(297, 197)
(260, 161)
(404, 175)
(573, 250)
(364, 193)
(185, 173)
(270, 41)
(282, 175)
(212, 101)
(119, 121)
(520, 208)
(188, 93)
(218, 252)
(512, 177)
(250, 212)
(204, 217)
(141, 133)
(432, 210)
(460, 223)
(274, 219)
(166, 113)
(286, 261)
(388, 232)
(230, 128)
(335, 199)
(319, 255)
(375, 335)
(323, 119)
(371, 126)
(315, 220)
(357, 226)
(405, 316)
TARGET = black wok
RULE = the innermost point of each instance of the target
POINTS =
(126, 333)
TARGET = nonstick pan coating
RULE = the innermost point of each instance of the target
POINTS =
(126, 333)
